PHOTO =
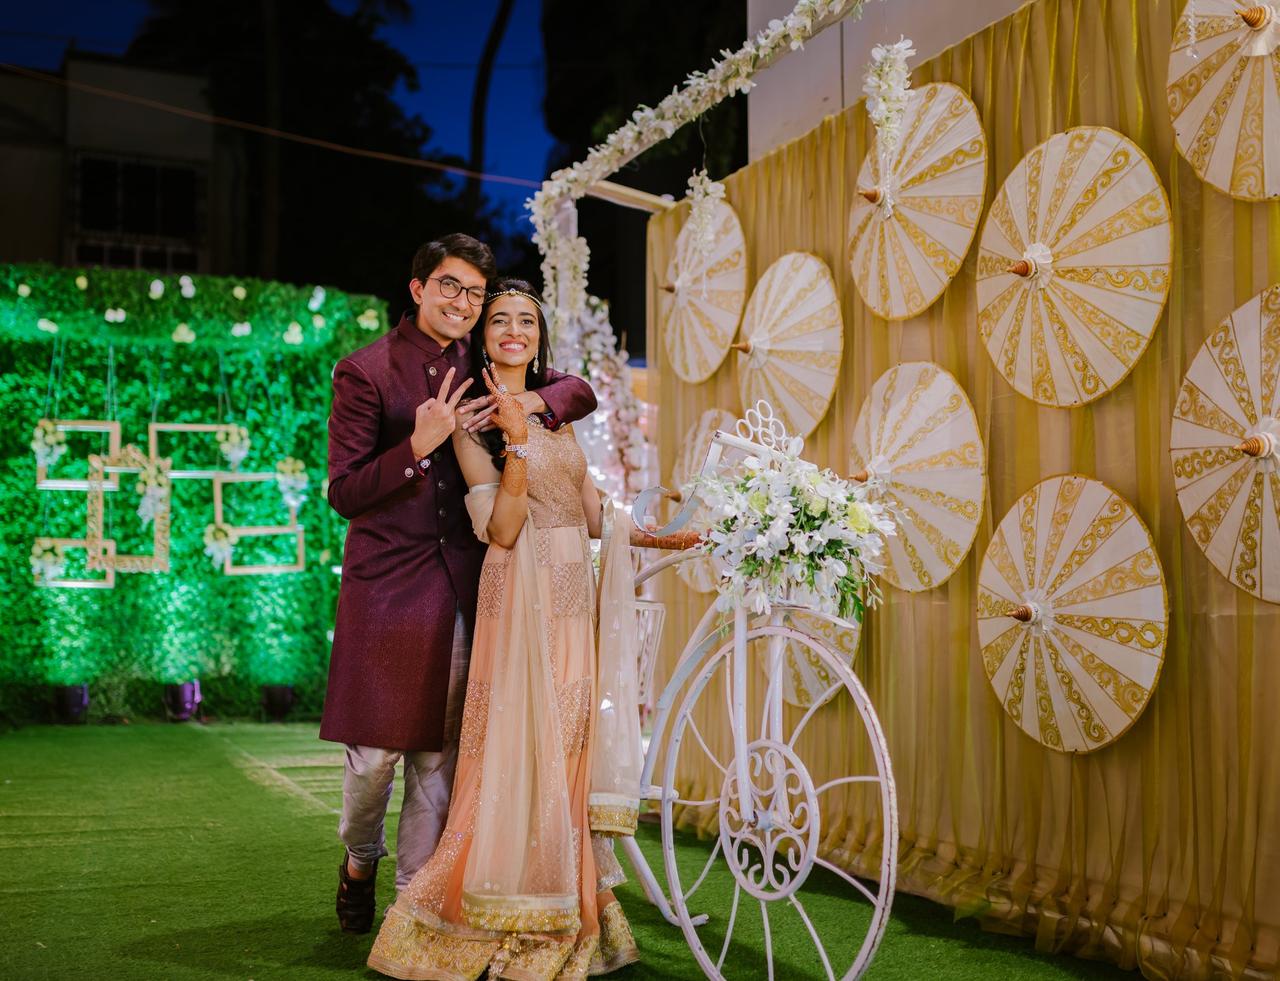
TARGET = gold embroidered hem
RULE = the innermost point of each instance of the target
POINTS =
(509, 915)
(413, 951)
(617, 947)
(613, 818)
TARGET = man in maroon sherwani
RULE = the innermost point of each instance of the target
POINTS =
(411, 569)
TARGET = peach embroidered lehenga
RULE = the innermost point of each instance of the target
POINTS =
(548, 767)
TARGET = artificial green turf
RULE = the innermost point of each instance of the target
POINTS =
(182, 852)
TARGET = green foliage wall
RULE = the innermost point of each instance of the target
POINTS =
(234, 633)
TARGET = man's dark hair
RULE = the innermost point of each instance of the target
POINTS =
(459, 246)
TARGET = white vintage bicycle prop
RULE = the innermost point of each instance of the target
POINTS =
(769, 792)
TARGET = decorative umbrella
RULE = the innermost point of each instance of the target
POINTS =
(1225, 444)
(792, 340)
(916, 444)
(911, 226)
(1224, 95)
(700, 302)
(1074, 265)
(701, 573)
(805, 678)
(1072, 613)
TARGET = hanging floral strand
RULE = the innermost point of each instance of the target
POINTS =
(887, 87)
(704, 193)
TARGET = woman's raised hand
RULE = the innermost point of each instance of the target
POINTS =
(508, 413)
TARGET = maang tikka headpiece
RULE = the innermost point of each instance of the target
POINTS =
(512, 292)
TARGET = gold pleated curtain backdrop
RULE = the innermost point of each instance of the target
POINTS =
(1161, 851)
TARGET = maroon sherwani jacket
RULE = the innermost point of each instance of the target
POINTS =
(411, 558)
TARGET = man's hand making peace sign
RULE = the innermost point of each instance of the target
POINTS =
(436, 419)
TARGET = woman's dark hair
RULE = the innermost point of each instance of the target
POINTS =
(459, 246)
(492, 439)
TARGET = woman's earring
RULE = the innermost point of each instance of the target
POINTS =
(535, 364)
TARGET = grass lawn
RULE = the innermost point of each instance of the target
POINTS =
(187, 851)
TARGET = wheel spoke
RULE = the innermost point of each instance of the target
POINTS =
(873, 899)
(728, 933)
(822, 951)
(695, 803)
(843, 780)
(705, 869)
(818, 702)
(697, 733)
(768, 937)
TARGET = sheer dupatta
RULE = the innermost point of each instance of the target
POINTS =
(617, 754)
(521, 873)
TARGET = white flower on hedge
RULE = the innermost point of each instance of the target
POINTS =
(48, 442)
(82, 282)
(157, 289)
(48, 561)
(114, 315)
(317, 299)
(242, 329)
(318, 322)
(219, 540)
(369, 320)
(293, 335)
(234, 444)
(186, 287)
(239, 292)
(48, 326)
(183, 334)
(24, 290)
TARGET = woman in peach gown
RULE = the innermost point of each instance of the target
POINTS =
(549, 758)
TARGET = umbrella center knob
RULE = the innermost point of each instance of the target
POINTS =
(1036, 614)
(1263, 446)
(1264, 26)
(1035, 265)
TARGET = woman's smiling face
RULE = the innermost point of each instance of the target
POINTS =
(511, 331)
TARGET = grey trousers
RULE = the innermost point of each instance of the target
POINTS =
(428, 782)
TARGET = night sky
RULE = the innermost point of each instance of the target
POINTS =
(443, 40)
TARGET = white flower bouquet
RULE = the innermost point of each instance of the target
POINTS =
(153, 485)
(234, 444)
(789, 532)
(291, 478)
(48, 562)
(48, 442)
(218, 543)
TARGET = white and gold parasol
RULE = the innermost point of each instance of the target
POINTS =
(805, 678)
(1224, 95)
(701, 301)
(916, 444)
(1072, 613)
(1073, 270)
(1225, 444)
(700, 573)
(912, 223)
(792, 340)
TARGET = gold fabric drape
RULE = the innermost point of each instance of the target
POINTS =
(1162, 850)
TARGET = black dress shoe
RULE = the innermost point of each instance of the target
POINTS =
(356, 900)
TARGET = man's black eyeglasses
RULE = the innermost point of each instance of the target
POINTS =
(450, 287)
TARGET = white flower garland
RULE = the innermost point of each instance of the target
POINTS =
(566, 258)
(703, 195)
(618, 453)
(48, 443)
(887, 87)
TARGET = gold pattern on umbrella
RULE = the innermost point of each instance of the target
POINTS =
(1224, 96)
(1073, 268)
(700, 573)
(792, 342)
(1225, 445)
(917, 445)
(1072, 614)
(700, 302)
(911, 224)
(805, 678)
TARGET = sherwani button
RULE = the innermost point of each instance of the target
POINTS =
(432, 371)
(408, 471)
(441, 485)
